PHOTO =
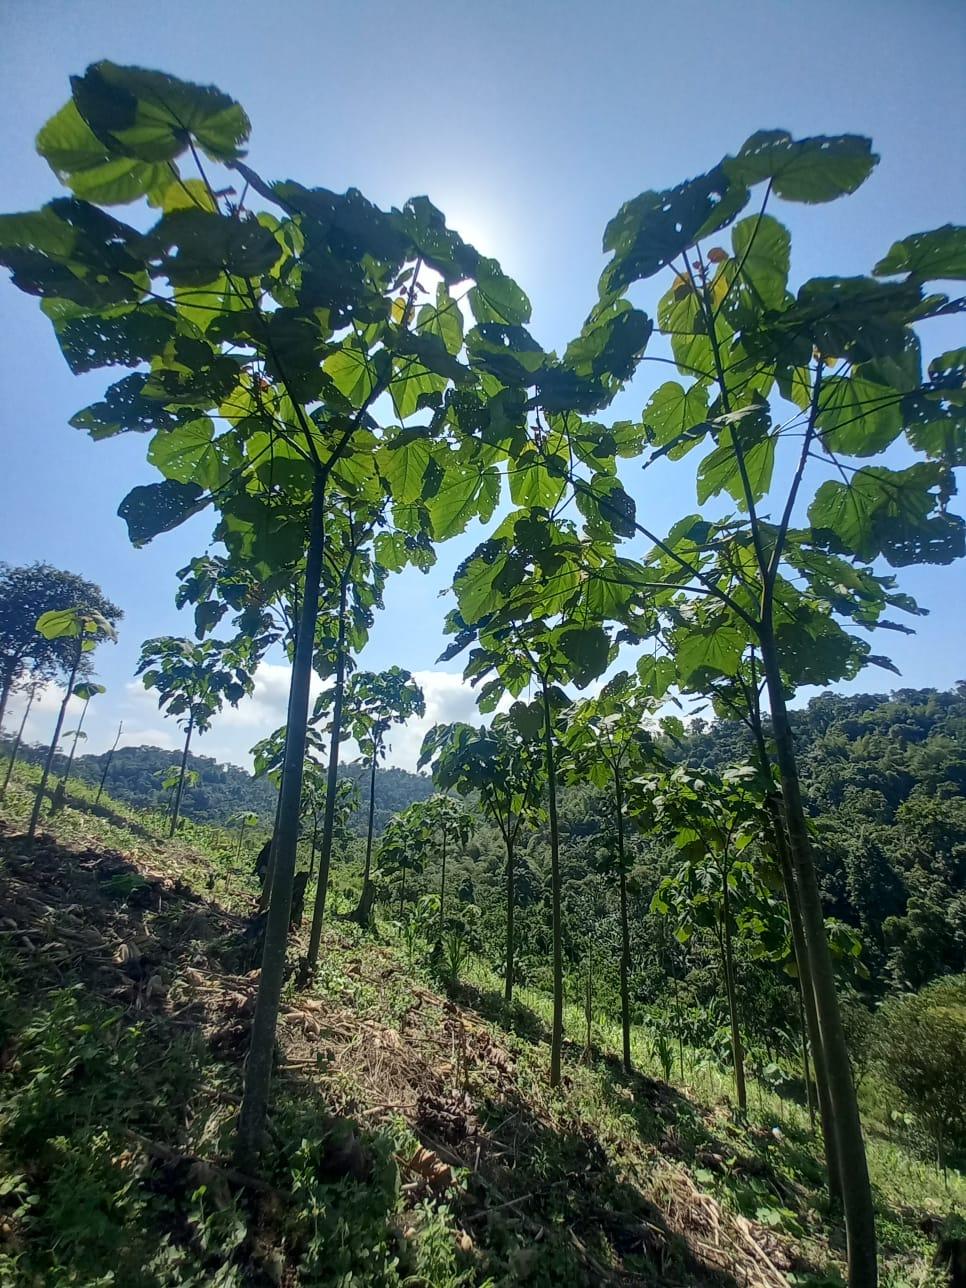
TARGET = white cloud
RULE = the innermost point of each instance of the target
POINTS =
(235, 729)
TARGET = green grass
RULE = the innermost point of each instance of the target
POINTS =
(84, 1070)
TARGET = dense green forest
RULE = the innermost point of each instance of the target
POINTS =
(209, 995)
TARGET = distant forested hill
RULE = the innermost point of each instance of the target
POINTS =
(884, 776)
(225, 790)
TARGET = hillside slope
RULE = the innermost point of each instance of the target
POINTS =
(413, 1139)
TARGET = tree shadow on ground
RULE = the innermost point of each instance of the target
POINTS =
(91, 949)
(489, 1003)
(105, 812)
(553, 1189)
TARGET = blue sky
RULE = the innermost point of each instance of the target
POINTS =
(528, 123)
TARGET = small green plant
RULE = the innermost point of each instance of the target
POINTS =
(664, 1054)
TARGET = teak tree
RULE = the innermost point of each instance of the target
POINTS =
(193, 681)
(502, 767)
(374, 702)
(351, 572)
(18, 739)
(291, 327)
(711, 821)
(85, 691)
(84, 628)
(843, 355)
(608, 743)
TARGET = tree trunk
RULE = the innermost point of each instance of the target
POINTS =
(510, 899)
(807, 998)
(402, 891)
(258, 1067)
(266, 894)
(61, 792)
(625, 929)
(176, 812)
(107, 766)
(52, 749)
(856, 1191)
(4, 695)
(589, 1009)
(806, 1066)
(241, 835)
(737, 1050)
(315, 844)
(17, 741)
(556, 1028)
(331, 787)
(372, 820)
(442, 889)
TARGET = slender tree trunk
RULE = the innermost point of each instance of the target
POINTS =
(331, 788)
(4, 695)
(402, 891)
(776, 825)
(806, 1069)
(510, 900)
(856, 1191)
(315, 843)
(266, 895)
(372, 819)
(52, 749)
(556, 1028)
(258, 1067)
(241, 835)
(625, 929)
(442, 889)
(589, 1009)
(737, 1050)
(61, 793)
(807, 999)
(17, 741)
(176, 812)
(107, 766)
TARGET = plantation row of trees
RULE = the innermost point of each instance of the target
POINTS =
(345, 388)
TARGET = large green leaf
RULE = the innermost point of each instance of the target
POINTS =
(89, 168)
(414, 387)
(508, 352)
(650, 231)
(125, 407)
(935, 415)
(496, 297)
(403, 464)
(934, 256)
(587, 650)
(720, 470)
(762, 251)
(353, 372)
(455, 504)
(611, 343)
(812, 170)
(159, 507)
(152, 116)
(124, 336)
(858, 417)
(673, 411)
(444, 319)
(712, 649)
(207, 245)
(532, 484)
(898, 514)
(190, 453)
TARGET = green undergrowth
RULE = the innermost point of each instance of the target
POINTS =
(414, 1139)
